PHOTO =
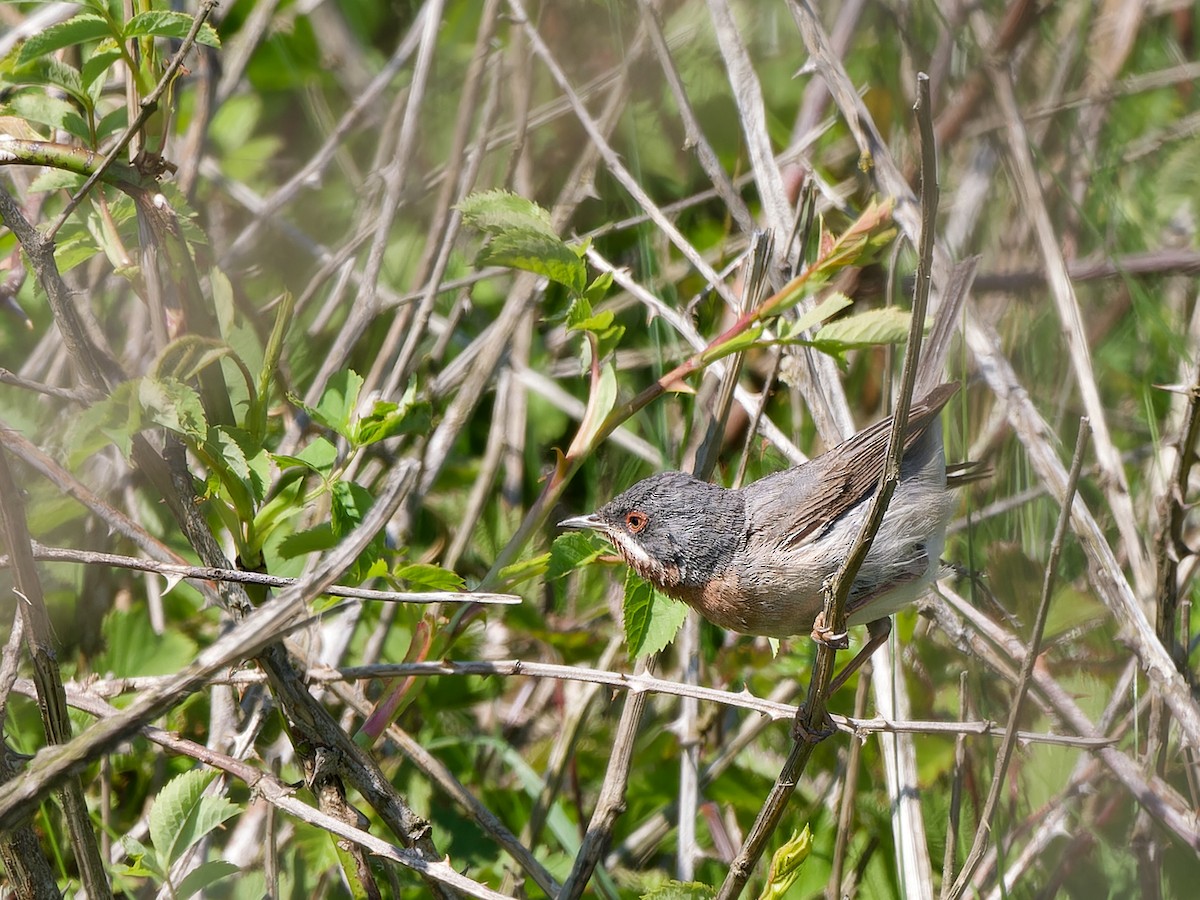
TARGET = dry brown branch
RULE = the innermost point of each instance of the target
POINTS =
(176, 571)
(282, 796)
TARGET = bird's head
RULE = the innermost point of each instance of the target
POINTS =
(673, 530)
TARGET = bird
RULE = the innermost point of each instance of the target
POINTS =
(758, 559)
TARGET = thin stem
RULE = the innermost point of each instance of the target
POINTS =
(988, 813)
(148, 106)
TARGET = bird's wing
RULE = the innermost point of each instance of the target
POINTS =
(800, 502)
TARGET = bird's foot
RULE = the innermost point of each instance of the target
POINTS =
(826, 636)
(801, 730)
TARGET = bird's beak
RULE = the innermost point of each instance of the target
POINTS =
(583, 523)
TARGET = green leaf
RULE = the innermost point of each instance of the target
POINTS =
(858, 244)
(524, 569)
(143, 865)
(173, 405)
(54, 112)
(318, 456)
(601, 325)
(99, 62)
(389, 419)
(735, 344)
(76, 30)
(572, 550)
(256, 415)
(537, 252)
(681, 890)
(210, 812)
(499, 212)
(114, 121)
(336, 406)
(312, 540)
(163, 23)
(651, 619)
(239, 456)
(172, 808)
(182, 815)
(786, 864)
(427, 577)
(598, 289)
(203, 875)
(581, 318)
(522, 238)
(349, 504)
(57, 180)
(823, 311)
(115, 419)
(876, 326)
(133, 650)
(52, 71)
(600, 404)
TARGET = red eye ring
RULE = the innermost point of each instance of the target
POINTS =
(636, 521)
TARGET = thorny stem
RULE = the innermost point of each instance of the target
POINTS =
(812, 714)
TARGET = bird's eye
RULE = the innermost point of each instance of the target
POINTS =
(636, 521)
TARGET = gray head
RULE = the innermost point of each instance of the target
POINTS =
(675, 531)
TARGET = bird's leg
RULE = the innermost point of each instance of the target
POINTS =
(878, 632)
(801, 732)
(825, 636)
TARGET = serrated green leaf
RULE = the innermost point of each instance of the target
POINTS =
(868, 329)
(389, 419)
(208, 813)
(173, 405)
(203, 875)
(240, 457)
(57, 180)
(76, 30)
(164, 23)
(497, 212)
(427, 577)
(537, 252)
(53, 71)
(573, 550)
(53, 112)
(175, 804)
(220, 443)
(651, 619)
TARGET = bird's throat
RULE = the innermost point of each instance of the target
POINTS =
(664, 576)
